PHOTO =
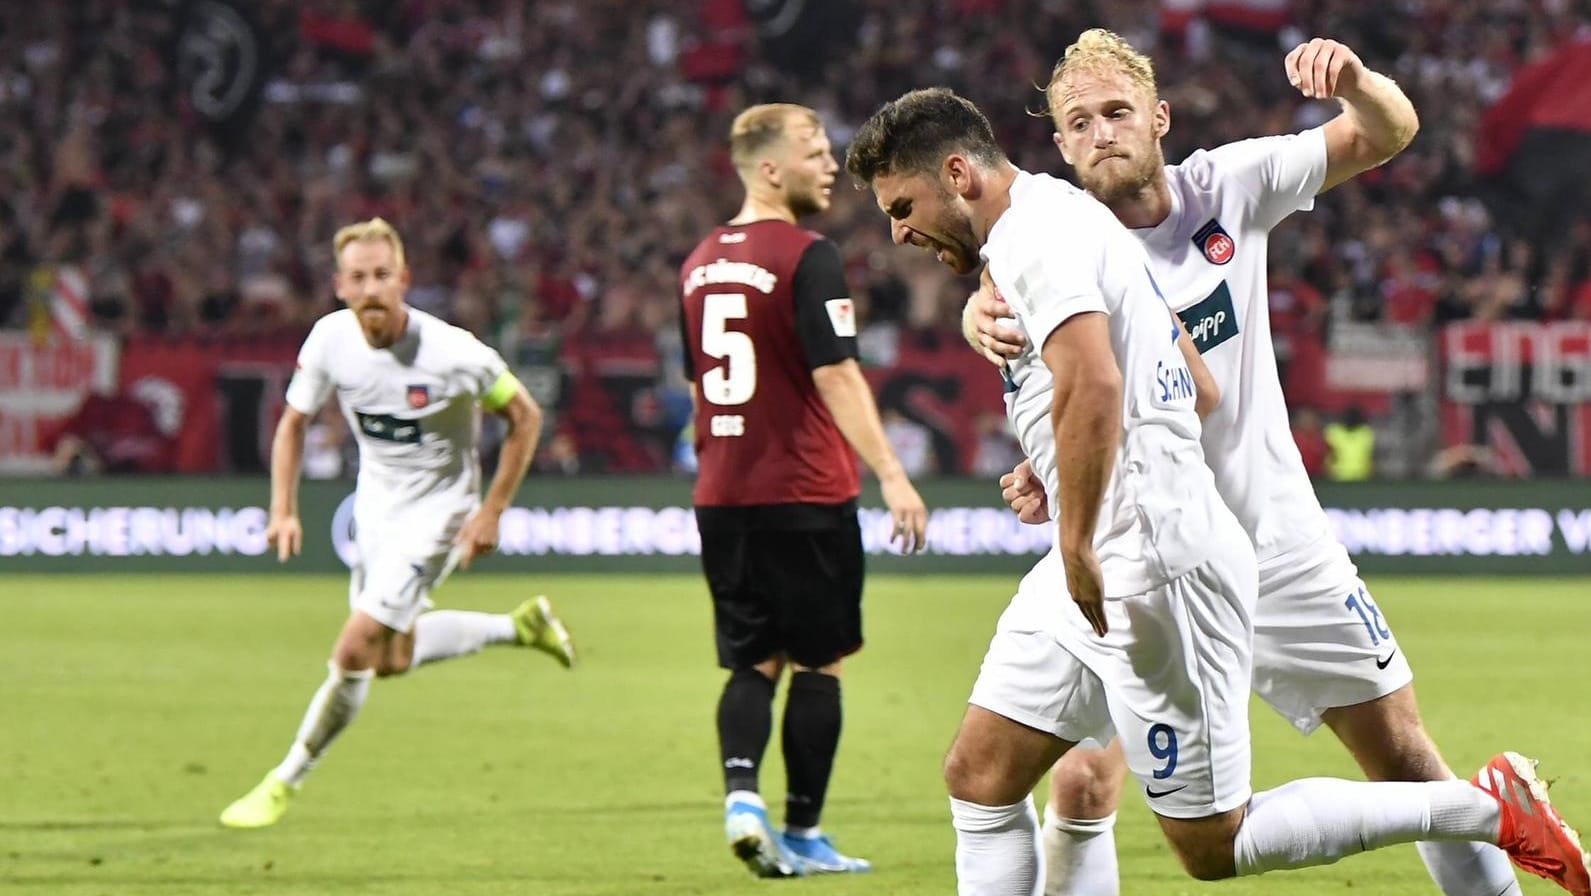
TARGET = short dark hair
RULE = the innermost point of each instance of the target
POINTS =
(913, 134)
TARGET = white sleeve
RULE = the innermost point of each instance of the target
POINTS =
(1279, 175)
(311, 384)
(482, 365)
(1051, 281)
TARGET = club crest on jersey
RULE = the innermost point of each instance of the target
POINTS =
(1216, 244)
(419, 395)
(842, 316)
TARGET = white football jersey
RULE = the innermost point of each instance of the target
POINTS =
(1209, 257)
(412, 407)
(1056, 253)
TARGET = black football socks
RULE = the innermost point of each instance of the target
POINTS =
(745, 722)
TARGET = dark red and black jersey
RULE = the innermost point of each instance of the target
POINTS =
(763, 304)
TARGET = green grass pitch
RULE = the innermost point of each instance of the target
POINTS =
(136, 707)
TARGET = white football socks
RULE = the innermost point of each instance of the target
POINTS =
(997, 849)
(334, 705)
(1080, 856)
(1316, 821)
(1466, 868)
(444, 634)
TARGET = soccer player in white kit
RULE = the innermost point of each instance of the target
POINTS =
(1322, 649)
(1163, 577)
(409, 385)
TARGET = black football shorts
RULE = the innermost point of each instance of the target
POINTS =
(784, 579)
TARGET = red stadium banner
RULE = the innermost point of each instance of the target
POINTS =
(226, 395)
(42, 383)
(939, 384)
(1521, 390)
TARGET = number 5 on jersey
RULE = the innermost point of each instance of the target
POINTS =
(735, 381)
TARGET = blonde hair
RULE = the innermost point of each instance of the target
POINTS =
(1097, 51)
(373, 230)
(760, 127)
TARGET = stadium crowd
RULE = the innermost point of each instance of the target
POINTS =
(549, 163)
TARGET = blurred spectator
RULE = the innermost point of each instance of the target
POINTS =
(1462, 462)
(997, 451)
(112, 433)
(545, 158)
(1298, 315)
(911, 441)
(1311, 441)
(561, 455)
(1350, 447)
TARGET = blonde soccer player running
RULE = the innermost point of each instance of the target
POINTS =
(411, 387)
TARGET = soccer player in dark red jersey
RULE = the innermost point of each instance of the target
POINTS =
(781, 411)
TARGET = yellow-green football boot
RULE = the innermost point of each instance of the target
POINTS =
(261, 807)
(539, 627)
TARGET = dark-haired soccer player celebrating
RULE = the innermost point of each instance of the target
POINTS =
(1158, 649)
(781, 404)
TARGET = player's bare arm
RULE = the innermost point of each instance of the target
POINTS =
(981, 328)
(478, 535)
(284, 532)
(1024, 493)
(850, 400)
(1206, 393)
(1377, 119)
(1086, 414)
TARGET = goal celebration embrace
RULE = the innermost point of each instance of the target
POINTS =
(989, 447)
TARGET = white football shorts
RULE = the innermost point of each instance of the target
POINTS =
(1171, 678)
(1320, 639)
(402, 557)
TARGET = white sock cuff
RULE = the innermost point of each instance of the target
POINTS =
(1078, 825)
(744, 796)
(974, 818)
(1459, 809)
(339, 672)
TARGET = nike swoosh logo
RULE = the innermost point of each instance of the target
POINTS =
(1157, 794)
(1383, 663)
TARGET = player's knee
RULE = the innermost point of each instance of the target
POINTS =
(356, 656)
(970, 778)
(1209, 868)
(392, 666)
(770, 668)
(832, 670)
(959, 774)
(355, 651)
(1087, 782)
(1206, 859)
(1206, 847)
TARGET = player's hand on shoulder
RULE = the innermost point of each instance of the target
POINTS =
(477, 537)
(284, 533)
(981, 328)
(907, 511)
(1024, 493)
(1323, 68)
